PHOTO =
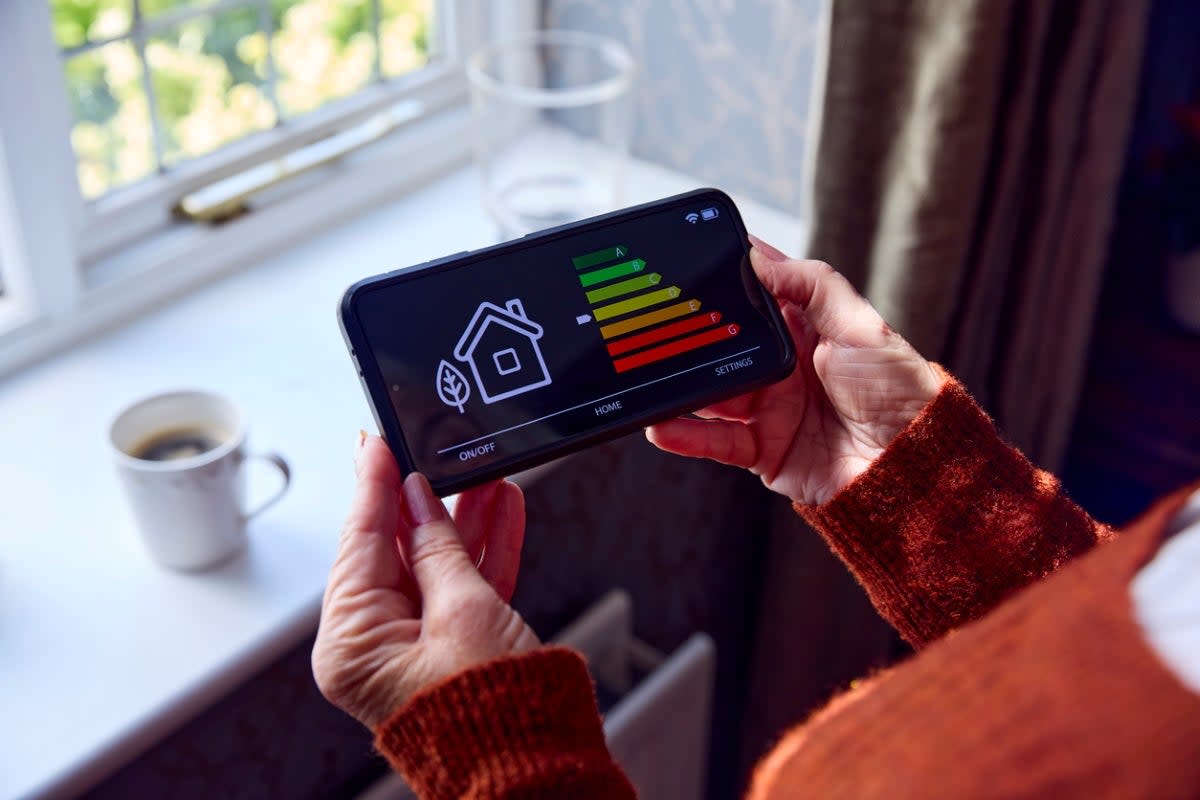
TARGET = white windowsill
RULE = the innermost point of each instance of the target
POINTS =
(104, 652)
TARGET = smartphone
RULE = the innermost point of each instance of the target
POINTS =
(485, 363)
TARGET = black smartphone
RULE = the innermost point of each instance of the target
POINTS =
(488, 362)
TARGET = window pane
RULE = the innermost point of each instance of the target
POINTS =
(78, 22)
(111, 133)
(323, 50)
(404, 35)
(209, 76)
(217, 73)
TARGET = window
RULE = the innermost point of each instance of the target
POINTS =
(168, 97)
(155, 83)
(507, 361)
(135, 126)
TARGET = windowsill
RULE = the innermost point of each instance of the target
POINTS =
(13, 315)
(106, 652)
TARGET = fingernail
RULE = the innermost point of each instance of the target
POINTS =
(362, 439)
(766, 249)
(422, 505)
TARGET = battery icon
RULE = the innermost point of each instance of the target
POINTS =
(709, 213)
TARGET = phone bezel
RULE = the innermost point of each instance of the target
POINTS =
(379, 400)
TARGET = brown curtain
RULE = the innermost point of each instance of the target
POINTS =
(965, 179)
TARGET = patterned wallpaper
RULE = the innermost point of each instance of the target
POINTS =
(724, 88)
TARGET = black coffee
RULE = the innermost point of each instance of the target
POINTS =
(176, 444)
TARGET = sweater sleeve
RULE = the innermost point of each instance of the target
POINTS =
(519, 727)
(950, 520)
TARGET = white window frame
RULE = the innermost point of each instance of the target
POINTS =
(72, 268)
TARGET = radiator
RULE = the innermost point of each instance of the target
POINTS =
(657, 707)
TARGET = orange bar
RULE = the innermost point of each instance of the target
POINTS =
(676, 347)
(665, 332)
(650, 318)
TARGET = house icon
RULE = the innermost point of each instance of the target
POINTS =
(501, 347)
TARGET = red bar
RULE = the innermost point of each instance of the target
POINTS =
(675, 348)
(665, 332)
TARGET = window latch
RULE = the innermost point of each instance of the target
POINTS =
(230, 197)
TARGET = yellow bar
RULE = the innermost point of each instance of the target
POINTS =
(634, 303)
(646, 320)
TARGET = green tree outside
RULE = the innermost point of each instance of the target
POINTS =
(210, 75)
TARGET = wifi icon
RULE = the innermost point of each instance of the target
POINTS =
(692, 217)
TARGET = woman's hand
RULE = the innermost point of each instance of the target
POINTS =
(406, 605)
(856, 385)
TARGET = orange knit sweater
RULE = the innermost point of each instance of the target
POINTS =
(1026, 683)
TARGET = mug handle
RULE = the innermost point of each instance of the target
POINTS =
(280, 463)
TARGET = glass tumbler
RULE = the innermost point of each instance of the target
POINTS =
(553, 117)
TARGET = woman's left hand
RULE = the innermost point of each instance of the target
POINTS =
(406, 606)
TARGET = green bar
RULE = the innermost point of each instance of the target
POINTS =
(600, 256)
(634, 303)
(623, 287)
(615, 271)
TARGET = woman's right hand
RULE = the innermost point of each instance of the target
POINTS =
(856, 385)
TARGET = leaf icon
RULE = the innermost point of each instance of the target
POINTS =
(452, 386)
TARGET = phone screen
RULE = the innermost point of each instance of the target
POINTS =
(490, 359)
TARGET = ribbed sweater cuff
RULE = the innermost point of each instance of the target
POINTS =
(523, 726)
(949, 520)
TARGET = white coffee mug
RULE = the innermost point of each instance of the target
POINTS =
(191, 509)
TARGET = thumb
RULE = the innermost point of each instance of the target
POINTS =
(435, 552)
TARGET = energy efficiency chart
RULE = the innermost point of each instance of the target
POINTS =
(650, 322)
